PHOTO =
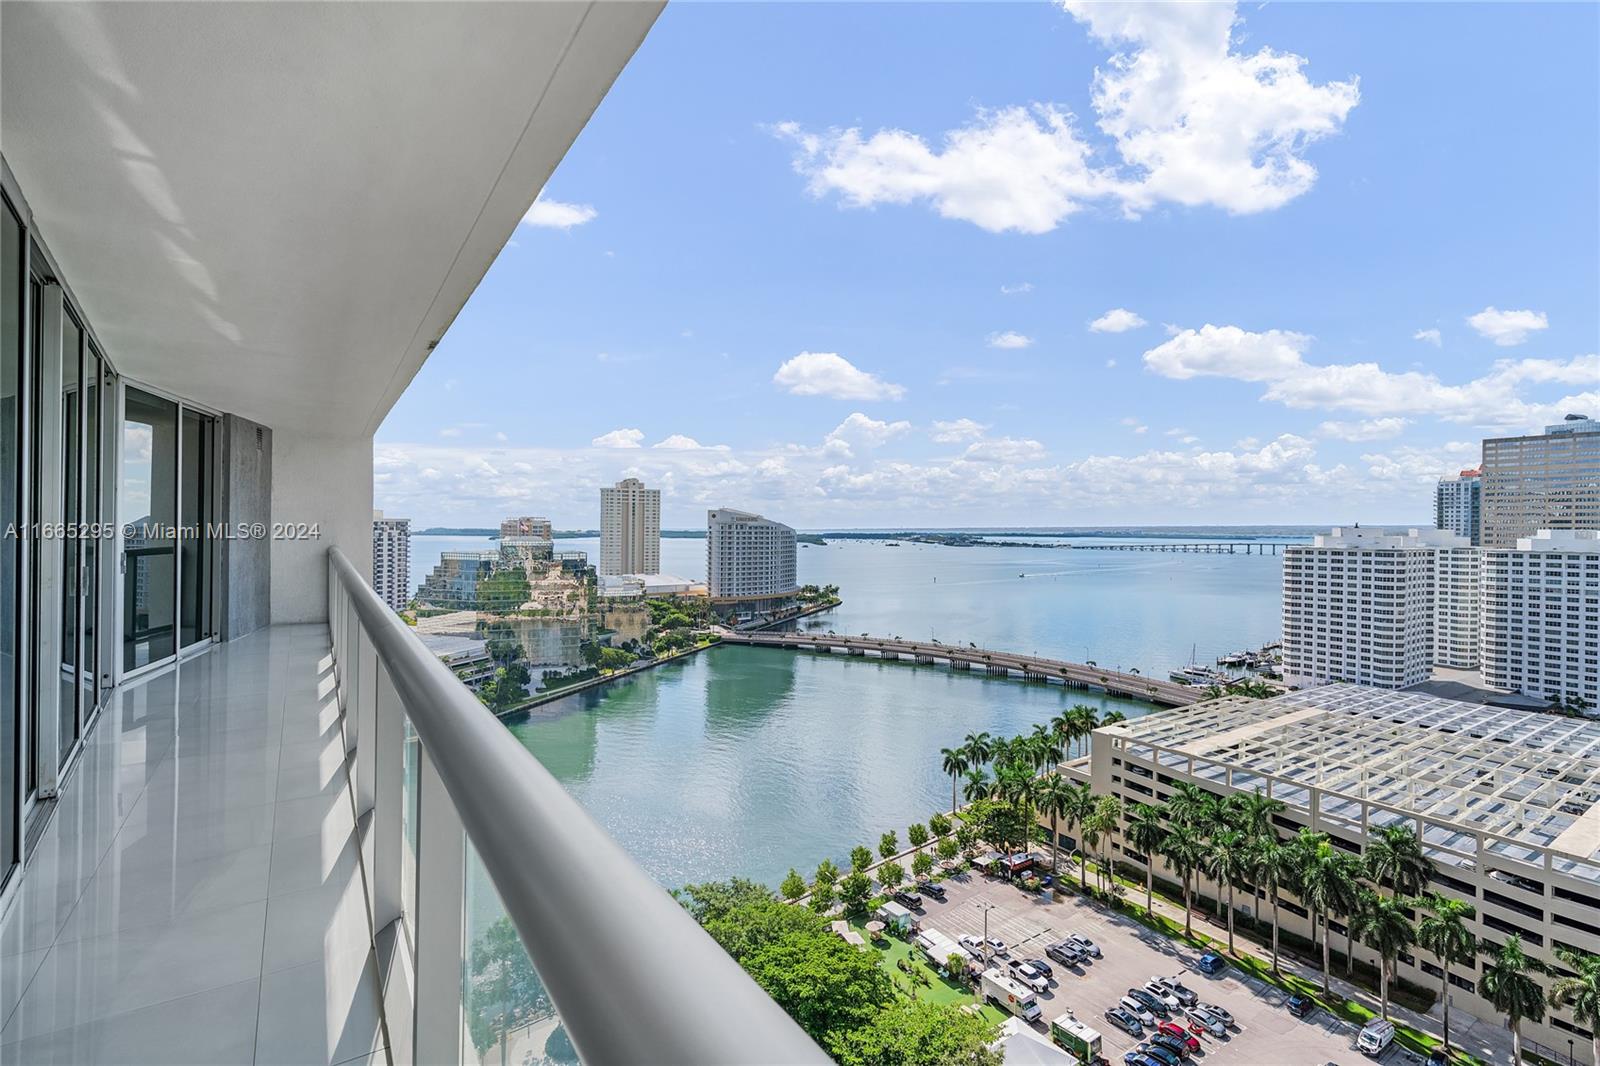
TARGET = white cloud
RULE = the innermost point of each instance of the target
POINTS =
(957, 431)
(1276, 358)
(1429, 336)
(554, 214)
(1005, 450)
(1507, 328)
(828, 374)
(1116, 320)
(450, 431)
(1110, 363)
(859, 430)
(1010, 340)
(1368, 429)
(1192, 121)
(679, 443)
(1016, 290)
(619, 438)
(1135, 425)
(1421, 466)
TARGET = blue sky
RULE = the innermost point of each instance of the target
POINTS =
(906, 264)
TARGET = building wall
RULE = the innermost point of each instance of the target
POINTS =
(748, 556)
(630, 528)
(391, 560)
(327, 481)
(245, 564)
(1458, 505)
(1457, 608)
(1548, 481)
(1541, 617)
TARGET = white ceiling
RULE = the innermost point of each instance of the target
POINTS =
(274, 208)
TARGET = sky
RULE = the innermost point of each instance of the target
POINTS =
(1035, 264)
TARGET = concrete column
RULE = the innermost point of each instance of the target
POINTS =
(326, 481)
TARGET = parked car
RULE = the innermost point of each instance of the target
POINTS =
(1162, 994)
(973, 945)
(1138, 1010)
(1090, 948)
(1206, 1020)
(1125, 1021)
(1165, 1056)
(929, 888)
(1186, 996)
(1139, 1058)
(908, 899)
(1211, 964)
(1301, 1006)
(1178, 1032)
(1177, 1047)
(1219, 1013)
(998, 946)
(1066, 953)
(1029, 976)
(1150, 1003)
(1042, 966)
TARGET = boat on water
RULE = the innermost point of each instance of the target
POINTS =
(1200, 675)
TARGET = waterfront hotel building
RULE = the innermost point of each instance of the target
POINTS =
(230, 236)
(1506, 803)
(750, 560)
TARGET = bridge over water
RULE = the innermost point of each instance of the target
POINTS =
(995, 663)
(1212, 547)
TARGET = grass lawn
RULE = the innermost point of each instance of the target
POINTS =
(937, 990)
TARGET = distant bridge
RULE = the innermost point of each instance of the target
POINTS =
(1251, 547)
(995, 663)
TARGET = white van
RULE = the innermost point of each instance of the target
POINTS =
(1377, 1035)
(1008, 995)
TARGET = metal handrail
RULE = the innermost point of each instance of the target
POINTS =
(632, 975)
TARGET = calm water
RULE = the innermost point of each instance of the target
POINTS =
(748, 761)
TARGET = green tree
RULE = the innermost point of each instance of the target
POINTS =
(921, 865)
(1275, 865)
(827, 986)
(938, 824)
(1384, 924)
(947, 848)
(954, 761)
(1580, 991)
(1394, 857)
(854, 890)
(1185, 853)
(822, 896)
(827, 873)
(890, 874)
(711, 900)
(1148, 836)
(978, 747)
(1053, 795)
(977, 786)
(917, 834)
(1443, 931)
(1253, 814)
(1506, 983)
(794, 886)
(917, 1033)
(1077, 807)
(860, 857)
(1098, 827)
(1319, 880)
(503, 984)
(888, 844)
(1227, 860)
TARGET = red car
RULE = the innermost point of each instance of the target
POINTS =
(1177, 1032)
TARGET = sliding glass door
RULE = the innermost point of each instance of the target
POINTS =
(194, 532)
(13, 288)
(147, 511)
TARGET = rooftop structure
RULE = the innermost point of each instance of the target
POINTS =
(1541, 617)
(638, 586)
(1541, 481)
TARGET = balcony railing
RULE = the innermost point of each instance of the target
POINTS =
(632, 976)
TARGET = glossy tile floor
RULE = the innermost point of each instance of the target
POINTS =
(197, 896)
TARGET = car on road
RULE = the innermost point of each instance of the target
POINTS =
(1211, 964)
(1206, 1020)
(1186, 996)
(1301, 1006)
(1162, 994)
(1138, 1010)
(1150, 1003)
(1066, 953)
(1029, 976)
(1177, 1047)
(929, 888)
(1125, 1021)
(1179, 1033)
(1219, 1013)
(1042, 966)
(908, 899)
(1165, 1056)
(1089, 947)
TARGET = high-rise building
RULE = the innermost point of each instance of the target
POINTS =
(1546, 481)
(453, 582)
(748, 557)
(1541, 616)
(526, 526)
(630, 528)
(1458, 504)
(391, 559)
(1378, 608)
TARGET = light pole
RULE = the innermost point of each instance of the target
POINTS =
(985, 908)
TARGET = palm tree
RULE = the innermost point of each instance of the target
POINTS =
(1581, 991)
(978, 746)
(1078, 808)
(1507, 985)
(1317, 876)
(1349, 870)
(1276, 864)
(1443, 931)
(1083, 720)
(1184, 852)
(1252, 813)
(1047, 747)
(1192, 807)
(977, 785)
(955, 764)
(1101, 823)
(1112, 718)
(1055, 793)
(1227, 861)
(1394, 857)
(1384, 925)
(1147, 835)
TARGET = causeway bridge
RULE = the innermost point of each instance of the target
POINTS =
(1211, 547)
(994, 663)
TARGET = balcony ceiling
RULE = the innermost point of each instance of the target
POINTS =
(274, 208)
